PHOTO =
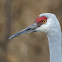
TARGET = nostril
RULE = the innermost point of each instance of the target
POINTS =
(28, 29)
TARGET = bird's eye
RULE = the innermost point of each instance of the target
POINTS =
(44, 21)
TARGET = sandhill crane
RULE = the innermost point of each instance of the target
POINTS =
(49, 24)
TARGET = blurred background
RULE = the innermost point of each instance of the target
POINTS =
(16, 15)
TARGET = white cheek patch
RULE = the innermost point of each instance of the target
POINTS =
(42, 28)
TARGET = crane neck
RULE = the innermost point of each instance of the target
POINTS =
(55, 45)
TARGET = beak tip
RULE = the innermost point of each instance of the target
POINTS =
(15, 35)
(11, 37)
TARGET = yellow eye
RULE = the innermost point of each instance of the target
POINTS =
(44, 21)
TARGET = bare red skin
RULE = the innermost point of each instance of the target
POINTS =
(39, 20)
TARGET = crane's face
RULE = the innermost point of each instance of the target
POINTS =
(41, 24)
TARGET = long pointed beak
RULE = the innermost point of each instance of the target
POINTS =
(26, 30)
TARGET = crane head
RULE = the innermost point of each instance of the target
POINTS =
(44, 23)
